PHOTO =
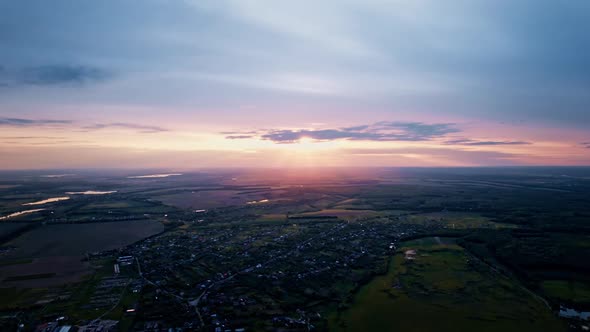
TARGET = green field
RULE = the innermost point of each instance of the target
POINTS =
(458, 220)
(443, 289)
(81, 295)
(16, 262)
(17, 298)
(272, 217)
(30, 277)
(341, 213)
(566, 290)
(77, 239)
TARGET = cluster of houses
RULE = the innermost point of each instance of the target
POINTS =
(98, 325)
(228, 276)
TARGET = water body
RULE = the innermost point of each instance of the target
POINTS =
(91, 192)
(151, 176)
(16, 214)
(56, 175)
(49, 200)
(258, 202)
(572, 313)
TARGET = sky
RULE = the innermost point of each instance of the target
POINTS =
(199, 84)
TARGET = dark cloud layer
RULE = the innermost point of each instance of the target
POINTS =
(471, 142)
(123, 125)
(380, 131)
(32, 137)
(498, 60)
(52, 75)
(19, 122)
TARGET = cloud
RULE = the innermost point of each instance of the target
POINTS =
(355, 128)
(251, 132)
(586, 145)
(32, 137)
(442, 156)
(418, 130)
(39, 140)
(145, 129)
(477, 60)
(47, 143)
(20, 122)
(52, 75)
(380, 131)
(471, 142)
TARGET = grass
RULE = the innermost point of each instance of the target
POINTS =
(77, 239)
(455, 291)
(16, 262)
(15, 298)
(109, 205)
(566, 290)
(203, 199)
(341, 213)
(30, 277)
(82, 293)
(273, 217)
(459, 220)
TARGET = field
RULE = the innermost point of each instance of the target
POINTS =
(443, 288)
(206, 199)
(52, 256)
(551, 263)
(477, 249)
(78, 239)
(341, 213)
(81, 294)
(567, 290)
(456, 220)
(273, 217)
(14, 298)
(49, 272)
(210, 198)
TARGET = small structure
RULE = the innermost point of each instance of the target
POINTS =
(410, 254)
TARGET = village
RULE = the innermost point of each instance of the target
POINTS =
(222, 276)
(209, 276)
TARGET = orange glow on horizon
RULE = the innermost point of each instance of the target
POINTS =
(55, 147)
